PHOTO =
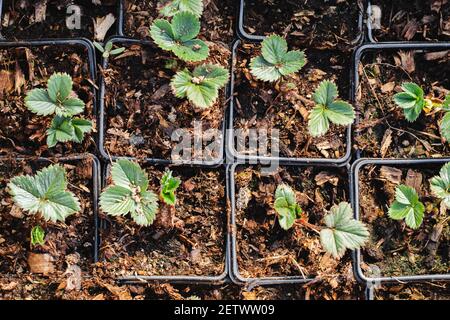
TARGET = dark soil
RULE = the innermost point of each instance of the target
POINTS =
(198, 248)
(217, 19)
(141, 110)
(23, 69)
(394, 248)
(69, 243)
(284, 105)
(413, 20)
(264, 249)
(418, 291)
(19, 19)
(306, 23)
(383, 130)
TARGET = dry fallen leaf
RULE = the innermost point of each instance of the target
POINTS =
(41, 263)
(391, 174)
(407, 61)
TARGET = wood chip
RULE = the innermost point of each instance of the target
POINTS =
(6, 82)
(323, 177)
(391, 174)
(102, 25)
(407, 61)
(436, 55)
(414, 179)
(41, 263)
(388, 87)
(386, 142)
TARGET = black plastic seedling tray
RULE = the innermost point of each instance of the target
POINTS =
(230, 143)
(246, 36)
(182, 279)
(94, 192)
(371, 47)
(354, 186)
(103, 118)
(235, 275)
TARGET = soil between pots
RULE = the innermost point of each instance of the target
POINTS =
(67, 243)
(217, 21)
(417, 291)
(19, 19)
(142, 113)
(266, 250)
(394, 248)
(406, 20)
(196, 250)
(260, 105)
(25, 68)
(382, 130)
(312, 23)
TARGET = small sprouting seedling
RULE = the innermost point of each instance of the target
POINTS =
(37, 236)
(440, 185)
(179, 36)
(413, 101)
(275, 60)
(129, 194)
(45, 193)
(407, 206)
(328, 109)
(58, 99)
(343, 231)
(172, 7)
(168, 186)
(286, 206)
(108, 50)
(201, 86)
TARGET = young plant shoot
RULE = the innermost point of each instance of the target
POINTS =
(129, 194)
(168, 186)
(179, 36)
(201, 86)
(440, 185)
(108, 50)
(37, 236)
(275, 60)
(413, 101)
(171, 7)
(59, 100)
(45, 193)
(286, 206)
(342, 231)
(407, 206)
(328, 109)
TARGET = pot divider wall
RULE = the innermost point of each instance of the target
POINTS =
(103, 118)
(355, 191)
(388, 48)
(235, 274)
(184, 279)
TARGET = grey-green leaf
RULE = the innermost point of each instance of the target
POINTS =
(128, 174)
(440, 185)
(171, 7)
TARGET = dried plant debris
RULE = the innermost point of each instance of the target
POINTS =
(142, 112)
(287, 104)
(398, 247)
(24, 69)
(29, 19)
(417, 291)
(413, 20)
(384, 129)
(306, 23)
(217, 18)
(187, 238)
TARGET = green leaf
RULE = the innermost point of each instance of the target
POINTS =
(168, 186)
(128, 174)
(59, 86)
(286, 206)
(70, 107)
(407, 206)
(172, 7)
(411, 100)
(37, 236)
(39, 102)
(343, 231)
(61, 130)
(129, 194)
(444, 126)
(45, 193)
(440, 185)
(81, 127)
(275, 61)
(202, 86)
(328, 109)
(179, 35)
